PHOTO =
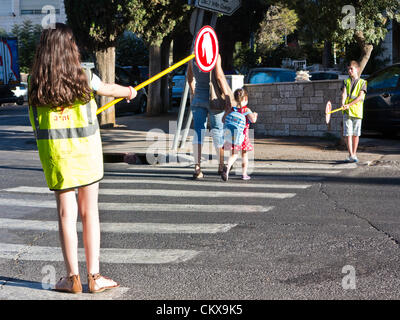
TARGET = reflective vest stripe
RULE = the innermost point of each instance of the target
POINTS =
(65, 133)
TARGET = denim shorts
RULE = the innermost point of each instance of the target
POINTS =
(351, 126)
(200, 115)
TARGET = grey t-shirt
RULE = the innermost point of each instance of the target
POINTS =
(201, 96)
(95, 82)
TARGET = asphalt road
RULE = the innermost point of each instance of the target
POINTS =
(327, 232)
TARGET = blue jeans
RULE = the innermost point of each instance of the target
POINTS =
(200, 126)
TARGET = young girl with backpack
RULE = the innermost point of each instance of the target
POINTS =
(241, 97)
(62, 112)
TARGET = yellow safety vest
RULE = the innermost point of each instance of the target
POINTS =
(69, 144)
(356, 110)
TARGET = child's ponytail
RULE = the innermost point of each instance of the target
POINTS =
(239, 95)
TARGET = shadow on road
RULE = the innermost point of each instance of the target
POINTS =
(13, 282)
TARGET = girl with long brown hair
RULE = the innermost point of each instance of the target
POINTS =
(62, 112)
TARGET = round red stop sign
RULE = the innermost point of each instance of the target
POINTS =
(206, 49)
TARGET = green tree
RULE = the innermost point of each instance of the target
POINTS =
(97, 24)
(157, 24)
(131, 51)
(278, 23)
(28, 36)
(4, 33)
(370, 25)
(346, 21)
(240, 27)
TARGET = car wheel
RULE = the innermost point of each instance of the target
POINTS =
(20, 101)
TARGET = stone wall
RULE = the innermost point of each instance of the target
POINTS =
(295, 108)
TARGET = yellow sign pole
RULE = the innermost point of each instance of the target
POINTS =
(336, 110)
(145, 83)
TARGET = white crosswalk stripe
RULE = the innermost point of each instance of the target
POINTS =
(133, 180)
(124, 227)
(174, 175)
(161, 183)
(163, 193)
(108, 255)
(268, 166)
(207, 184)
(143, 207)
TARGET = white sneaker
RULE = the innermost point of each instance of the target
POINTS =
(355, 159)
(349, 159)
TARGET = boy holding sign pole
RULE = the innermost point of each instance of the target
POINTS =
(353, 94)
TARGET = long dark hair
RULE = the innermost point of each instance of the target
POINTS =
(57, 78)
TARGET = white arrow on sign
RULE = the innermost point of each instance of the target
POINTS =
(227, 7)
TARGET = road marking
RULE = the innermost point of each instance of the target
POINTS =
(208, 183)
(163, 193)
(107, 255)
(258, 170)
(196, 228)
(17, 289)
(164, 174)
(26, 290)
(253, 166)
(144, 207)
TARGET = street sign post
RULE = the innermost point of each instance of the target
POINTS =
(227, 7)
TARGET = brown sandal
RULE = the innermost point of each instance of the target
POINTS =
(92, 283)
(71, 284)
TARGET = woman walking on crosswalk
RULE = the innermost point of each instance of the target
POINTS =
(62, 111)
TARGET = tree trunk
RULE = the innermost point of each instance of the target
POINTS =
(366, 50)
(154, 93)
(165, 96)
(327, 55)
(106, 64)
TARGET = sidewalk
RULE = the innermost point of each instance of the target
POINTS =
(151, 139)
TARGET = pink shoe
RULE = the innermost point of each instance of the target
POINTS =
(246, 177)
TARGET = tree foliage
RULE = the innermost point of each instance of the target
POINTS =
(240, 27)
(278, 23)
(131, 50)
(369, 22)
(97, 24)
(158, 19)
(347, 21)
(28, 35)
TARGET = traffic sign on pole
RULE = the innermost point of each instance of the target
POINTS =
(206, 49)
(227, 7)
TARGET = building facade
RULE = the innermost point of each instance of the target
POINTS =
(17, 11)
(391, 44)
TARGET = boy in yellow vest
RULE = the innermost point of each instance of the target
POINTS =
(353, 95)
